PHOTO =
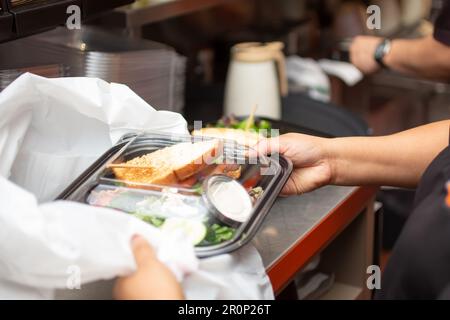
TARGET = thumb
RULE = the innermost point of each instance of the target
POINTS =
(142, 251)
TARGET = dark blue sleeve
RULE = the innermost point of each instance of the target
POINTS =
(445, 294)
(442, 25)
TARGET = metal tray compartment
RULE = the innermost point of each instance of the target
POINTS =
(156, 204)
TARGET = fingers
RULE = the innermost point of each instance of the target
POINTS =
(269, 146)
(265, 147)
(143, 252)
(151, 281)
(292, 188)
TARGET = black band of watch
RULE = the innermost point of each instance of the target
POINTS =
(381, 51)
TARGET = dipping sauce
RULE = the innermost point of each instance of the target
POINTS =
(230, 199)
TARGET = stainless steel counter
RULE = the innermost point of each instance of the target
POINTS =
(292, 218)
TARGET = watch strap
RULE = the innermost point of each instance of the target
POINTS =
(380, 52)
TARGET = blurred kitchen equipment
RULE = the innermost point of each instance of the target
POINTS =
(413, 11)
(293, 10)
(48, 71)
(350, 21)
(327, 118)
(19, 18)
(153, 70)
(257, 75)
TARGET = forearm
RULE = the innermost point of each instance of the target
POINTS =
(423, 57)
(397, 160)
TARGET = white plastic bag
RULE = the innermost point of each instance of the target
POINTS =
(57, 127)
(51, 130)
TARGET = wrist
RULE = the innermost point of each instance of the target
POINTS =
(331, 158)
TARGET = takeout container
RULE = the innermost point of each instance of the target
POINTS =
(98, 186)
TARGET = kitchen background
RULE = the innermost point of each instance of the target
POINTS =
(175, 54)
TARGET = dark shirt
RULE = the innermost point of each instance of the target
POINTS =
(419, 267)
(420, 262)
(442, 25)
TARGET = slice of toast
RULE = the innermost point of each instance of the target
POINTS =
(192, 158)
(170, 165)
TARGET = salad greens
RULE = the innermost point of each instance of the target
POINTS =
(217, 234)
(231, 122)
(170, 212)
(155, 221)
(194, 231)
(198, 188)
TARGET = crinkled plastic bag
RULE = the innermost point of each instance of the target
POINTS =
(51, 130)
(57, 127)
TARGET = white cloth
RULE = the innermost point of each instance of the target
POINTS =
(50, 131)
(345, 71)
(306, 74)
(242, 276)
(311, 75)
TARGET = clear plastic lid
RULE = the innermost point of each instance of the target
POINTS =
(206, 189)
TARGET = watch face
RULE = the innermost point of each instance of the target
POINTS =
(387, 47)
(379, 51)
(382, 49)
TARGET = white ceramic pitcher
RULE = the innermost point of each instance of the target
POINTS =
(256, 76)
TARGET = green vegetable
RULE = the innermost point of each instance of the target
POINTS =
(231, 122)
(155, 221)
(242, 125)
(198, 188)
(218, 234)
(264, 124)
(194, 230)
(220, 124)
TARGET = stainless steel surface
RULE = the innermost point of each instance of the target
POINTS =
(292, 218)
(49, 71)
(152, 70)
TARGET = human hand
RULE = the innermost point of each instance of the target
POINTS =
(151, 281)
(312, 166)
(362, 52)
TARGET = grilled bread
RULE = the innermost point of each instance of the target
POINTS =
(172, 164)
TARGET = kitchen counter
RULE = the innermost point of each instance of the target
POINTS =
(328, 220)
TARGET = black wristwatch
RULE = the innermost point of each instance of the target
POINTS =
(381, 51)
